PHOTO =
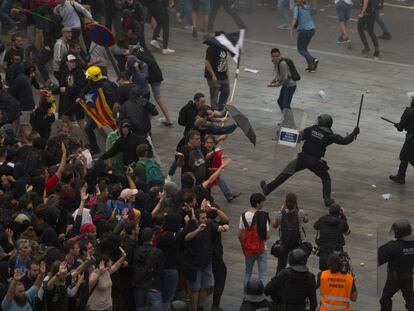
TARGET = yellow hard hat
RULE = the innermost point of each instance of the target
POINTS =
(94, 73)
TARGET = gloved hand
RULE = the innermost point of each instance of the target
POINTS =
(355, 132)
(397, 125)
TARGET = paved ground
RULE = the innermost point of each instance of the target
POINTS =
(359, 171)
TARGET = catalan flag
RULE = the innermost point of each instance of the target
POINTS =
(98, 109)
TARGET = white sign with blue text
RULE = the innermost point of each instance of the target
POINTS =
(288, 137)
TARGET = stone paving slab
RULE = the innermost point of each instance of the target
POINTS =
(354, 168)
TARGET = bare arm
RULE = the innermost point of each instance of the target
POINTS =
(157, 208)
(210, 70)
(62, 164)
(193, 234)
(213, 177)
(119, 262)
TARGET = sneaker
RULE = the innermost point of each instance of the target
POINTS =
(155, 44)
(329, 202)
(167, 124)
(284, 26)
(264, 187)
(233, 196)
(377, 53)
(349, 44)
(315, 64)
(365, 50)
(341, 40)
(168, 51)
(179, 19)
(13, 31)
(167, 179)
(385, 36)
(308, 69)
(397, 179)
(194, 33)
(188, 27)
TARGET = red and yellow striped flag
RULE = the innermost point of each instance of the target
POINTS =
(98, 109)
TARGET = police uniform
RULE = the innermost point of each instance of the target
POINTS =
(400, 257)
(316, 138)
(291, 288)
(336, 290)
(407, 152)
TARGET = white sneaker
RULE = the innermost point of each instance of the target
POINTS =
(167, 179)
(168, 51)
(155, 44)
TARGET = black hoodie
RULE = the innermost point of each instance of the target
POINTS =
(21, 87)
(331, 232)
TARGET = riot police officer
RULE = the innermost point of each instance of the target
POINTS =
(293, 286)
(407, 152)
(317, 138)
(254, 299)
(399, 254)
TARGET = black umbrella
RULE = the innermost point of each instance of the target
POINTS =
(243, 122)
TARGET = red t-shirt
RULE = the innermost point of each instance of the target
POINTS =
(52, 181)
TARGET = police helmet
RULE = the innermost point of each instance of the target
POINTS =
(297, 260)
(325, 120)
(401, 228)
(178, 305)
(254, 287)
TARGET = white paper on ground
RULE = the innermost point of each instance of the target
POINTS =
(251, 70)
(386, 196)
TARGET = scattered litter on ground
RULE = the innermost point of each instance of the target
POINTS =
(386, 196)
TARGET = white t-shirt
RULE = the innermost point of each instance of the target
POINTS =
(249, 217)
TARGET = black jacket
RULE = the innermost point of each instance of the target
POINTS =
(21, 87)
(9, 107)
(317, 139)
(407, 122)
(291, 288)
(138, 110)
(399, 254)
(155, 258)
(41, 122)
(331, 232)
(187, 115)
(126, 145)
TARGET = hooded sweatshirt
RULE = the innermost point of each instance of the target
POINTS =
(21, 87)
(138, 76)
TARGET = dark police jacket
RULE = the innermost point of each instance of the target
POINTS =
(400, 257)
(407, 123)
(291, 288)
(331, 232)
(317, 139)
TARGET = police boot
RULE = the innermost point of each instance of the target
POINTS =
(386, 304)
(410, 305)
(397, 179)
(264, 187)
(329, 202)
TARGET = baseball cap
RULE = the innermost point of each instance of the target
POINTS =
(21, 219)
(71, 57)
(127, 193)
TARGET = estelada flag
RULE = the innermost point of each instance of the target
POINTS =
(98, 109)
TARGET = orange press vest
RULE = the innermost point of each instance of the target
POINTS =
(335, 290)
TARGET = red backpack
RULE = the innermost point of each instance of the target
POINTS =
(251, 243)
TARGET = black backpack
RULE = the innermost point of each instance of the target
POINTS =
(294, 74)
(182, 115)
(290, 230)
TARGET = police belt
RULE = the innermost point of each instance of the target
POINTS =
(395, 275)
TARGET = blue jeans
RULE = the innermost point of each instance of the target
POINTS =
(304, 38)
(4, 16)
(380, 22)
(261, 265)
(224, 188)
(185, 11)
(149, 296)
(285, 97)
(169, 284)
(282, 8)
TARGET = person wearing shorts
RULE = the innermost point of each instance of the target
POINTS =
(199, 237)
(203, 7)
(343, 12)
